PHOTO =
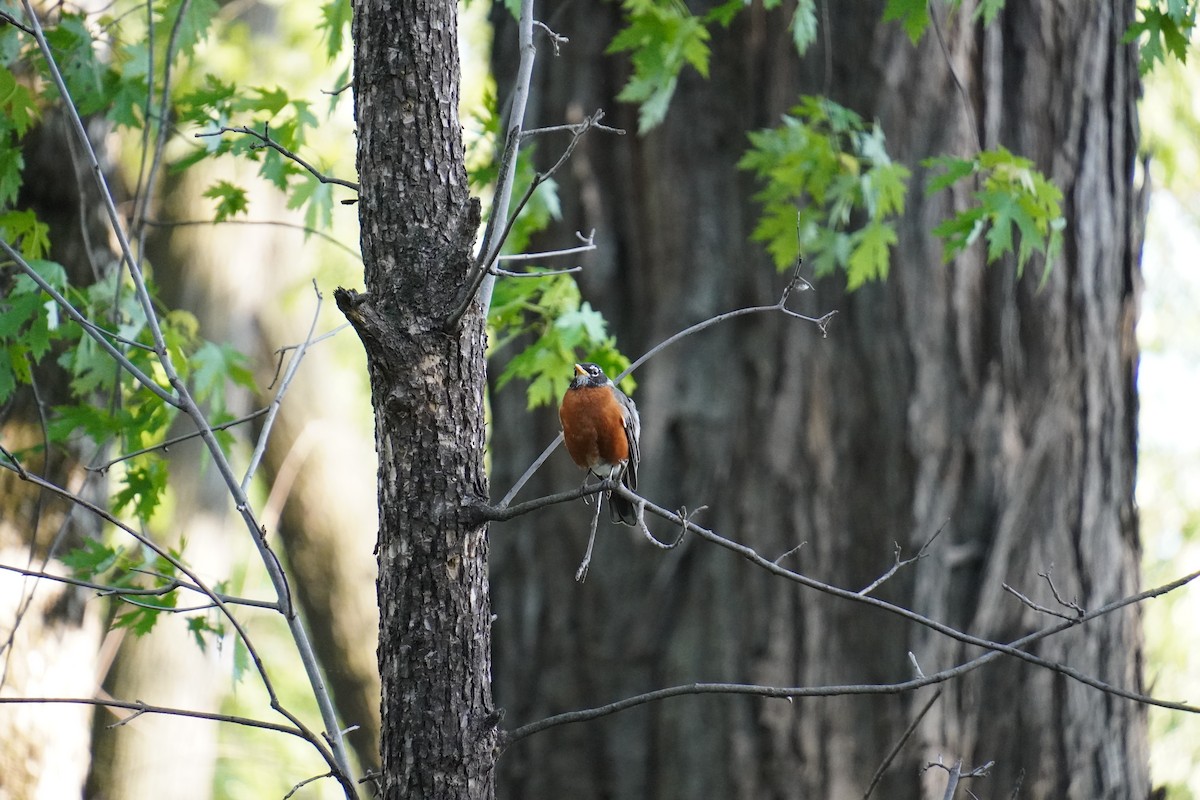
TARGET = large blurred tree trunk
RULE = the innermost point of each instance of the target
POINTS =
(957, 395)
(50, 633)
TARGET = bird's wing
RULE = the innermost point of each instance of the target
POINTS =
(633, 435)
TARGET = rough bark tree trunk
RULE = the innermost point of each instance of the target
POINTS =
(952, 395)
(418, 225)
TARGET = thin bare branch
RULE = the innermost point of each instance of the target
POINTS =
(996, 651)
(16, 23)
(308, 231)
(588, 244)
(139, 708)
(556, 39)
(156, 591)
(277, 400)
(904, 737)
(581, 573)
(539, 274)
(306, 782)
(898, 565)
(169, 443)
(265, 140)
(1012, 650)
(1071, 604)
(1036, 607)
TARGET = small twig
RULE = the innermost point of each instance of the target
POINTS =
(581, 573)
(645, 529)
(305, 782)
(539, 274)
(337, 91)
(1036, 607)
(588, 244)
(11, 20)
(267, 141)
(898, 565)
(912, 658)
(795, 549)
(556, 39)
(1073, 605)
(577, 128)
(904, 737)
(962, 90)
(14, 462)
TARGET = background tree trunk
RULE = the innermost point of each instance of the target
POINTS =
(50, 633)
(418, 224)
(956, 396)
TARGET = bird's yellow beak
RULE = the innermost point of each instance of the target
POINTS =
(579, 370)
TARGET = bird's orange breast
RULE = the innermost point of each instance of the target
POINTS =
(593, 427)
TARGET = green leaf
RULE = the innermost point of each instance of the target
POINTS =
(193, 27)
(870, 257)
(804, 25)
(33, 235)
(142, 487)
(1014, 194)
(84, 74)
(335, 21)
(912, 14)
(231, 200)
(16, 103)
(90, 559)
(11, 164)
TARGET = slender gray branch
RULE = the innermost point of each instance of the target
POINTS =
(996, 651)
(138, 707)
(174, 440)
(265, 140)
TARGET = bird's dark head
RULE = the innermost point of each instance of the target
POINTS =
(588, 374)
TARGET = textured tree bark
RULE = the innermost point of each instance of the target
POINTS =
(951, 395)
(418, 224)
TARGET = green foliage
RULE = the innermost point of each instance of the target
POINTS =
(148, 579)
(913, 15)
(231, 200)
(1163, 29)
(335, 22)
(829, 190)
(566, 330)
(1014, 195)
(662, 37)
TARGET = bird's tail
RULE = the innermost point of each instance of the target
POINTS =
(620, 510)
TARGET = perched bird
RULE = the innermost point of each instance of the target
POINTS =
(601, 429)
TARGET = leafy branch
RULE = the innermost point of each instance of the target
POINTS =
(1015, 197)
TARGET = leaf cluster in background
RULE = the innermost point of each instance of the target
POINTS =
(662, 37)
(1163, 29)
(829, 191)
(1014, 198)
